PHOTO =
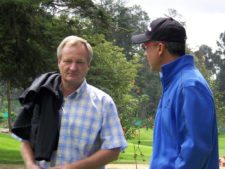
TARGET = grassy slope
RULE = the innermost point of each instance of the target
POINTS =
(146, 148)
(9, 149)
(143, 150)
(222, 145)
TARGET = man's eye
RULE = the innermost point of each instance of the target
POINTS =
(80, 62)
(67, 61)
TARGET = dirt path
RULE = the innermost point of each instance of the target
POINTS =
(110, 166)
(131, 166)
(7, 166)
(127, 166)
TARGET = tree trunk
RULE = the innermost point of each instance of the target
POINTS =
(9, 105)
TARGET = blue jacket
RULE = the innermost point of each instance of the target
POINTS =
(185, 129)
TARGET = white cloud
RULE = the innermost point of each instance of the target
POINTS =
(204, 18)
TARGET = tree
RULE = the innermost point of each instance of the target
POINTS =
(125, 21)
(202, 61)
(149, 84)
(212, 64)
(220, 85)
(115, 75)
(25, 44)
(220, 61)
(29, 49)
(84, 9)
(208, 57)
(21, 48)
(174, 14)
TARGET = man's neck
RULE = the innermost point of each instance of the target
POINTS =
(68, 89)
(168, 58)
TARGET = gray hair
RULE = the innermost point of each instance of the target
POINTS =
(74, 40)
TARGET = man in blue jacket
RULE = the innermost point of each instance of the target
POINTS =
(185, 129)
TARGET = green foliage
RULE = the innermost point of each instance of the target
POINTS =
(115, 75)
(220, 109)
(1, 118)
(148, 91)
(135, 154)
(31, 30)
(110, 68)
(207, 57)
(200, 63)
(125, 21)
(212, 64)
(25, 48)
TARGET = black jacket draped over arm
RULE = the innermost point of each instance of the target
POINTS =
(39, 120)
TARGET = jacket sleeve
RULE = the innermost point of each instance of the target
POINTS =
(22, 124)
(196, 127)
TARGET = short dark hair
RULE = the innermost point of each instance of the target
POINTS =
(175, 48)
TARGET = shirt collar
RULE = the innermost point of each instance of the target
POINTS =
(79, 91)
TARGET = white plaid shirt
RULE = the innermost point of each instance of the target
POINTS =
(89, 122)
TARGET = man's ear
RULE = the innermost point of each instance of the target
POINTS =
(58, 60)
(161, 48)
(89, 66)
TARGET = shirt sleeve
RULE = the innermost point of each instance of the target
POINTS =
(111, 134)
(196, 127)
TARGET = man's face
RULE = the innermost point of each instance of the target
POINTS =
(73, 65)
(152, 56)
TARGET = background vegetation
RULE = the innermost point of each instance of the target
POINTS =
(30, 32)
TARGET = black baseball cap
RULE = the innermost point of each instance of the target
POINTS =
(162, 29)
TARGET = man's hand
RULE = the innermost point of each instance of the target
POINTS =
(28, 155)
(66, 166)
(56, 167)
(32, 166)
(95, 161)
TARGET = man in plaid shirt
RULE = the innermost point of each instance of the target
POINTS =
(90, 133)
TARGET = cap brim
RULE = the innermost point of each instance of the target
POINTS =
(141, 38)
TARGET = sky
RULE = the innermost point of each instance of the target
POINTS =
(205, 19)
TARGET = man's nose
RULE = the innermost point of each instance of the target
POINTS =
(73, 66)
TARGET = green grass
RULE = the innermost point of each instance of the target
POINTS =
(222, 145)
(142, 154)
(10, 154)
(9, 150)
(146, 148)
(142, 150)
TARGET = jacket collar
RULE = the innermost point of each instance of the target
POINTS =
(171, 70)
